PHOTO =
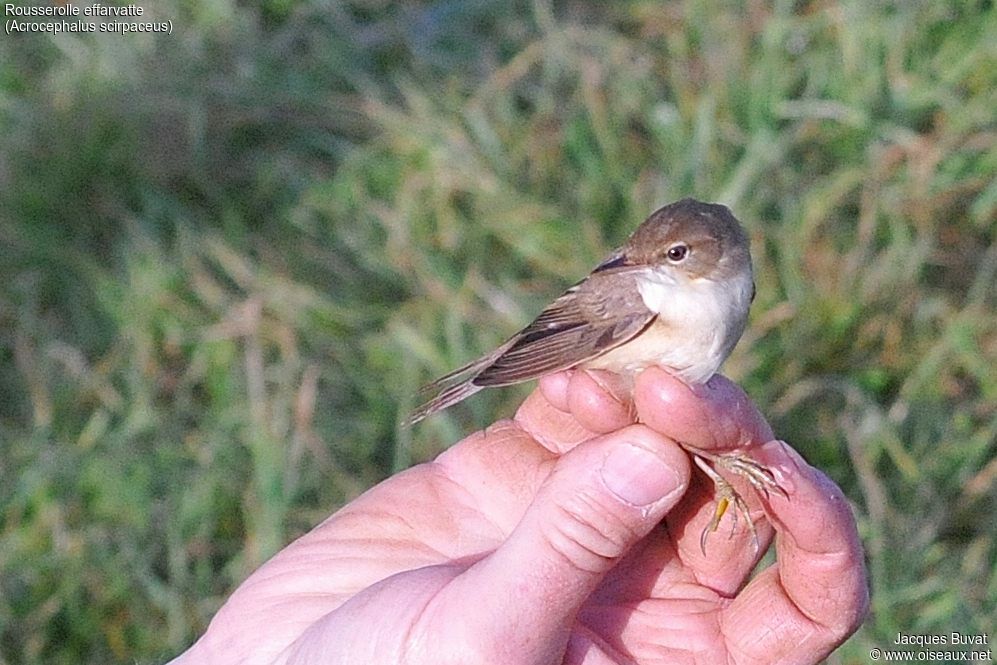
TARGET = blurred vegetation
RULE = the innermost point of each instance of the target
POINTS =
(231, 255)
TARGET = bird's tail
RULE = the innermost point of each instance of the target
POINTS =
(446, 397)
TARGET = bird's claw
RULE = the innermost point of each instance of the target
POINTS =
(757, 475)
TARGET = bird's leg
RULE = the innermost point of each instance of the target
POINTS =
(757, 475)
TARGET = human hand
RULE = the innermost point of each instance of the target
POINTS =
(566, 535)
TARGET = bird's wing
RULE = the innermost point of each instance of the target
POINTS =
(585, 322)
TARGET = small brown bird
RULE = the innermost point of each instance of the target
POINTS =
(676, 295)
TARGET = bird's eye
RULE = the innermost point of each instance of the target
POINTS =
(677, 252)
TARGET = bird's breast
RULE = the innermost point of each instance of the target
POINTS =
(697, 325)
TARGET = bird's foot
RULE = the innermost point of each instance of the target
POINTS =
(758, 476)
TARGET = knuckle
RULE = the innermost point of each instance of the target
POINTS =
(589, 534)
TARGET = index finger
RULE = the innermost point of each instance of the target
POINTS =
(717, 415)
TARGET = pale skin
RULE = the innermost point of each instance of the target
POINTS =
(569, 534)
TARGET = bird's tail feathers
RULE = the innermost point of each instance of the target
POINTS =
(455, 386)
(465, 373)
(447, 397)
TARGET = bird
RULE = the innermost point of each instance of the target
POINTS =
(675, 295)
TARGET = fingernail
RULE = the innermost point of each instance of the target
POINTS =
(638, 476)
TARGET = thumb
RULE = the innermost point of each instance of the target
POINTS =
(600, 499)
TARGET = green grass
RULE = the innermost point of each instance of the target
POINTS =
(231, 255)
